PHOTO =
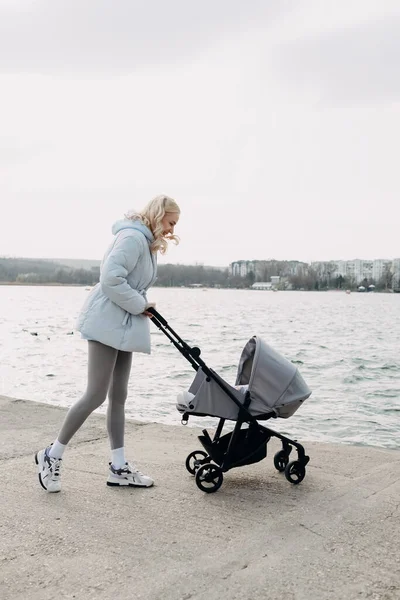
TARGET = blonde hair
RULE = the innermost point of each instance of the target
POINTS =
(152, 216)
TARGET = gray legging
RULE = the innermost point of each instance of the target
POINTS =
(108, 372)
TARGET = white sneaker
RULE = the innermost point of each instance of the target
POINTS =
(129, 476)
(48, 470)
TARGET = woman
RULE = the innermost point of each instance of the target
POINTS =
(114, 320)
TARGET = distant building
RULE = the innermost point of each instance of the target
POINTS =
(358, 270)
(242, 267)
(262, 285)
(380, 267)
(275, 279)
(340, 269)
(355, 271)
(396, 273)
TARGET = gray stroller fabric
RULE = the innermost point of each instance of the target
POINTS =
(274, 382)
(210, 399)
(275, 385)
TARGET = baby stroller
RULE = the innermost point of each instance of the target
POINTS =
(275, 389)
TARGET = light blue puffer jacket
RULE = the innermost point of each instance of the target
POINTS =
(112, 312)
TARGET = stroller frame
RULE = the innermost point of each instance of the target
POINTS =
(223, 450)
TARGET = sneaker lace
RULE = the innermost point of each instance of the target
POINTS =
(128, 469)
(132, 469)
(55, 466)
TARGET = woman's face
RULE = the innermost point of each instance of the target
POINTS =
(169, 221)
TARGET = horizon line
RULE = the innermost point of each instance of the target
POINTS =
(202, 263)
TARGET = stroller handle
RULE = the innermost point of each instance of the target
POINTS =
(157, 315)
(191, 354)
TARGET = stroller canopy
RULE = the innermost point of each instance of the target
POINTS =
(274, 382)
(275, 385)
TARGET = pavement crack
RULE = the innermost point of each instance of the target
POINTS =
(311, 530)
(381, 489)
(8, 558)
(391, 514)
(97, 439)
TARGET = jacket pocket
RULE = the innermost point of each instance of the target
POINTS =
(126, 319)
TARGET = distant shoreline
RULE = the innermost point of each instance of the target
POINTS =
(32, 284)
(189, 287)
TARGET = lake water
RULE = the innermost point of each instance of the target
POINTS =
(347, 347)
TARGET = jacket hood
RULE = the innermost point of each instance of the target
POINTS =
(129, 224)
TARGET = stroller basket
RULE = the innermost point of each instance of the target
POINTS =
(250, 446)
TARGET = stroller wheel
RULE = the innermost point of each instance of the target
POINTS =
(295, 471)
(194, 461)
(209, 478)
(281, 459)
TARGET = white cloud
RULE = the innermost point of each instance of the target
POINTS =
(244, 130)
(99, 36)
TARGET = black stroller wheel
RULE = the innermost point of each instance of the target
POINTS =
(281, 459)
(209, 478)
(194, 461)
(295, 472)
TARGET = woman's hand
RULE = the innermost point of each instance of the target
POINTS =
(149, 305)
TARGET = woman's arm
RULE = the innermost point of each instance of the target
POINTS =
(123, 259)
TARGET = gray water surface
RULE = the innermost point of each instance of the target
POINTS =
(345, 346)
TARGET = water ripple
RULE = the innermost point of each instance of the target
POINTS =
(345, 346)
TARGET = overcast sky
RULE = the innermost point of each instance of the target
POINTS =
(275, 124)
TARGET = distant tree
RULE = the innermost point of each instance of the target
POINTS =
(387, 278)
(330, 269)
(339, 282)
(236, 282)
(43, 272)
(250, 278)
(364, 282)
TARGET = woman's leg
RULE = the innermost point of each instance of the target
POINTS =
(121, 473)
(101, 363)
(117, 395)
